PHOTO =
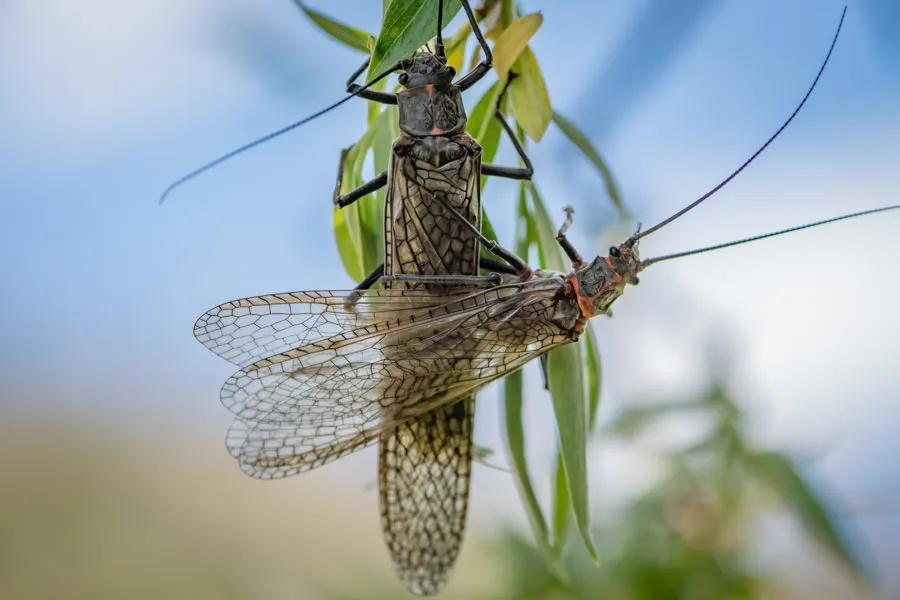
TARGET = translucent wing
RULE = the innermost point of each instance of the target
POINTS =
(312, 404)
(424, 471)
(250, 329)
(425, 462)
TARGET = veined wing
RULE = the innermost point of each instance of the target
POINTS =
(424, 470)
(250, 329)
(307, 406)
(425, 462)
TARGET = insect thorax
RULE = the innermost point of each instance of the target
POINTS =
(432, 109)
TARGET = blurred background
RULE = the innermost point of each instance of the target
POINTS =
(115, 481)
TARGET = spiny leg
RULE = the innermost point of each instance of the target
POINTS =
(474, 280)
(509, 172)
(342, 200)
(521, 267)
(495, 266)
(475, 75)
(565, 244)
(354, 88)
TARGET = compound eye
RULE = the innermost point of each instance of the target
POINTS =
(452, 72)
(403, 79)
(614, 252)
(635, 281)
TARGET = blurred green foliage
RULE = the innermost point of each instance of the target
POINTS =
(691, 533)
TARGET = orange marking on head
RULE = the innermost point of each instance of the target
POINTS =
(616, 277)
(585, 303)
(429, 88)
(435, 130)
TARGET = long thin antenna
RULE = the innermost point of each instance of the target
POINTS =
(871, 211)
(759, 151)
(439, 42)
(269, 136)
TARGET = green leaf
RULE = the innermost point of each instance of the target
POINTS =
(567, 389)
(777, 472)
(567, 385)
(347, 230)
(350, 36)
(342, 222)
(515, 439)
(513, 41)
(486, 130)
(515, 430)
(633, 419)
(581, 141)
(549, 252)
(529, 97)
(561, 507)
(407, 26)
(592, 375)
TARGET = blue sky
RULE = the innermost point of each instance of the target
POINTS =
(103, 103)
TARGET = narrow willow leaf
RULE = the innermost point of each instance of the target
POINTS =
(456, 46)
(484, 127)
(407, 25)
(529, 97)
(350, 36)
(347, 250)
(567, 386)
(348, 222)
(515, 429)
(513, 41)
(551, 256)
(581, 141)
(777, 472)
(567, 390)
(486, 130)
(592, 374)
(562, 504)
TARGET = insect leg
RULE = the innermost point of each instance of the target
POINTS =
(544, 372)
(510, 172)
(521, 267)
(354, 88)
(475, 75)
(495, 266)
(365, 284)
(352, 196)
(565, 244)
(492, 279)
(371, 278)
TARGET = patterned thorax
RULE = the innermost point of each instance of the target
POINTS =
(432, 109)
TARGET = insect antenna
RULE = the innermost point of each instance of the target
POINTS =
(439, 41)
(216, 162)
(650, 261)
(759, 151)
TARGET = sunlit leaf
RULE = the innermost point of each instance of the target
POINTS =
(350, 36)
(581, 141)
(407, 25)
(529, 97)
(347, 250)
(513, 41)
(778, 473)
